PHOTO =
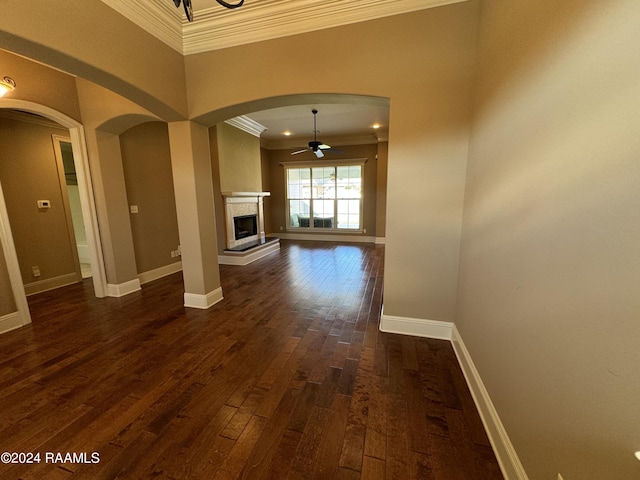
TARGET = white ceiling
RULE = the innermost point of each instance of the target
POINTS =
(216, 27)
(337, 124)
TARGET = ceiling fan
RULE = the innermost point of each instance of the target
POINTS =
(316, 146)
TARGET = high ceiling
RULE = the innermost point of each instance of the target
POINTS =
(216, 27)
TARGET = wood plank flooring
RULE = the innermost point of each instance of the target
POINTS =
(287, 378)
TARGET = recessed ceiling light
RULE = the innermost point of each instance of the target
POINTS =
(637, 454)
(375, 125)
(286, 133)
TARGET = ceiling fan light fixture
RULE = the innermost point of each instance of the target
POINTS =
(7, 84)
(316, 146)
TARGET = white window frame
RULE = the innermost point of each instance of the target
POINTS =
(320, 164)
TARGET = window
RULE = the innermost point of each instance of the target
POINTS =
(326, 197)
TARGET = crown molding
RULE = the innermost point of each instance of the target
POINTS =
(217, 27)
(245, 124)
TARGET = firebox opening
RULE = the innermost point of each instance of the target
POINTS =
(245, 226)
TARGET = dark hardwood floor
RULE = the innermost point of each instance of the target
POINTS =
(287, 378)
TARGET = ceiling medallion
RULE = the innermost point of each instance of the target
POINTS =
(189, 11)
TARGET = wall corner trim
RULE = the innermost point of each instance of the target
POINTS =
(194, 300)
(122, 289)
(503, 449)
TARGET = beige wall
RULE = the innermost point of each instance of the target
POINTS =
(147, 172)
(236, 167)
(29, 172)
(382, 161)
(238, 160)
(265, 166)
(548, 301)
(277, 209)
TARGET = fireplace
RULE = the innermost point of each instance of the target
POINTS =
(244, 218)
(245, 226)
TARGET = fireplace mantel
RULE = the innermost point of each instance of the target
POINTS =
(246, 194)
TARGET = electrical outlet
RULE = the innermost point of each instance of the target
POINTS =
(173, 254)
(36, 270)
(133, 208)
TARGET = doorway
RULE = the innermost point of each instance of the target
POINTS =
(21, 315)
(69, 180)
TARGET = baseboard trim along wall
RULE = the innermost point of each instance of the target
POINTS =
(155, 274)
(50, 283)
(194, 300)
(11, 321)
(122, 289)
(503, 448)
(328, 237)
(416, 327)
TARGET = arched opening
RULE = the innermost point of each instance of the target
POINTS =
(86, 200)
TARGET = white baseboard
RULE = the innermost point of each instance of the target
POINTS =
(505, 453)
(11, 321)
(245, 258)
(50, 283)
(203, 302)
(328, 237)
(381, 241)
(155, 274)
(416, 327)
(122, 289)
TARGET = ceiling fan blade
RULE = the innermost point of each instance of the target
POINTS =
(324, 146)
(334, 150)
(299, 151)
(319, 153)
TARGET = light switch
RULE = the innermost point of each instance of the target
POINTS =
(44, 204)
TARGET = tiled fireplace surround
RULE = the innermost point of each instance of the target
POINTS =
(237, 204)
